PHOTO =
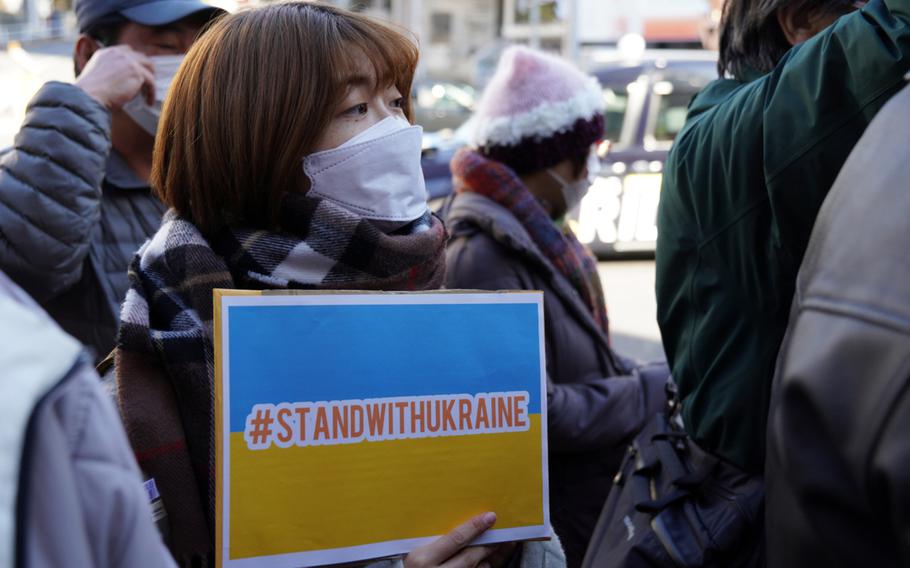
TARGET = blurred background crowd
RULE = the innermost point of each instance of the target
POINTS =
(651, 58)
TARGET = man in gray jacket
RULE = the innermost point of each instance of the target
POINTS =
(838, 456)
(74, 197)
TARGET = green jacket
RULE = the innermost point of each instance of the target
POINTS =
(743, 184)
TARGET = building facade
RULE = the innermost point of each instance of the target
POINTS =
(459, 38)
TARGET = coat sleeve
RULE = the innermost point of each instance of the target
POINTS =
(86, 502)
(603, 412)
(819, 102)
(837, 472)
(837, 438)
(595, 413)
(50, 189)
(891, 476)
(795, 126)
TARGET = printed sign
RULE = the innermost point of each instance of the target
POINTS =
(356, 426)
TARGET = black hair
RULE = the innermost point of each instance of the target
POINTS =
(579, 160)
(106, 31)
(751, 37)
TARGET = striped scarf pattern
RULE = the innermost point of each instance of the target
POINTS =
(476, 174)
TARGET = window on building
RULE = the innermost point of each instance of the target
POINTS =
(551, 44)
(364, 5)
(550, 11)
(440, 27)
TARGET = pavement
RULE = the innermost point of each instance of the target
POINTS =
(629, 288)
(23, 69)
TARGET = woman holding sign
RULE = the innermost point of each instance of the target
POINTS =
(257, 156)
(536, 130)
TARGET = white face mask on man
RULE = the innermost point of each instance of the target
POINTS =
(572, 193)
(147, 116)
(376, 174)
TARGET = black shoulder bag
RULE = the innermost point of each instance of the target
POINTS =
(674, 505)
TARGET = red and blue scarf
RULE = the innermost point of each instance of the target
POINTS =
(476, 174)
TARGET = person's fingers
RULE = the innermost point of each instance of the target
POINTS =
(471, 557)
(141, 59)
(462, 535)
(146, 63)
(148, 85)
(448, 545)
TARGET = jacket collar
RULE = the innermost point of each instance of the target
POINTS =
(120, 175)
(719, 90)
(495, 219)
(750, 74)
(470, 211)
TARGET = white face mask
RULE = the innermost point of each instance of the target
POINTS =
(147, 116)
(375, 174)
(573, 192)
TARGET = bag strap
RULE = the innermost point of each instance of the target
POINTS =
(665, 450)
(674, 403)
(105, 364)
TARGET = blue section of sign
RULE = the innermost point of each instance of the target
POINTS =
(314, 353)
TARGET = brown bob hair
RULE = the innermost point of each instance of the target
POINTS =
(251, 99)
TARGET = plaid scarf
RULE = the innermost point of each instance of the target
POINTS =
(165, 354)
(476, 174)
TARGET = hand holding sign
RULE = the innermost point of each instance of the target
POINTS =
(338, 426)
(451, 550)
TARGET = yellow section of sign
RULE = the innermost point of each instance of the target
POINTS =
(283, 500)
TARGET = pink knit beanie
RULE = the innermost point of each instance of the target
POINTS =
(537, 110)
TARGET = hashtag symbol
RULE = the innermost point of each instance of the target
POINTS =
(258, 427)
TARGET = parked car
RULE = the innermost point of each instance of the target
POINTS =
(438, 150)
(645, 107)
(442, 105)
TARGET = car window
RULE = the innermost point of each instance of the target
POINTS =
(672, 105)
(615, 105)
(444, 95)
(440, 105)
(673, 88)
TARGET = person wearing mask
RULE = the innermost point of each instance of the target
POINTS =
(70, 491)
(287, 159)
(536, 129)
(801, 81)
(838, 489)
(75, 202)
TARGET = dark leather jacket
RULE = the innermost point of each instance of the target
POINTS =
(838, 453)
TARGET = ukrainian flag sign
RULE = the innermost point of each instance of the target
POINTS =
(352, 426)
